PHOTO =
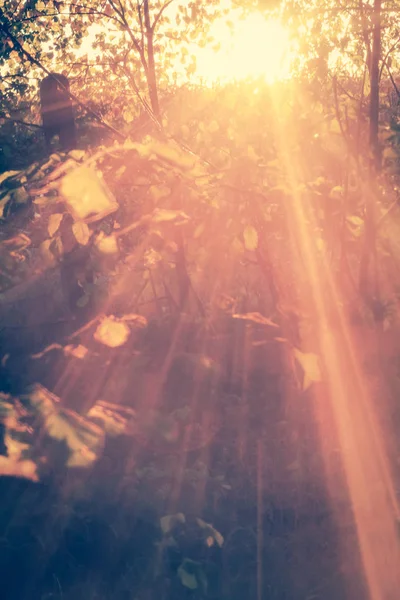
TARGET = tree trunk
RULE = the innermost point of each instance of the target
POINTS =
(374, 78)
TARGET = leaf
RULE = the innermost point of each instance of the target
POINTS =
(76, 154)
(161, 215)
(18, 468)
(87, 195)
(78, 351)
(83, 438)
(336, 192)
(355, 220)
(311, 366)
(173, 154)
(158, 192)
(211, 532)
(54, 223)
(250, 236)
(133, 319)
(255, 317)
(7, 175)
(81, 232)
(114, 419)
(188, 580)
(20, 196)
(112, 332)
(107, 244)
(3, 203)
(83, 300)
(169, 522)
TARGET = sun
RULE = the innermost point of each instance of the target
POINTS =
(250, 48)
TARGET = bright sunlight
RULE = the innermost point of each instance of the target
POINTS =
(252, 47)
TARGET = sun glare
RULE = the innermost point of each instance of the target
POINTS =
(254, 47)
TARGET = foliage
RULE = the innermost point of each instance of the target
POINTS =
(166, 294)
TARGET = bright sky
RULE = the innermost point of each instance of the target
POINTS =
(258, 47)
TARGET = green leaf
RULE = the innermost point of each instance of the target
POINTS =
(187, 578)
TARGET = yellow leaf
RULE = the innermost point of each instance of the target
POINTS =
(54, 223)
(250, 236)
(86, 194)
(81, 232)
(310, 364)
(112, 332)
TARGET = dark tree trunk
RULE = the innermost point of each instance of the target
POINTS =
(374, 76)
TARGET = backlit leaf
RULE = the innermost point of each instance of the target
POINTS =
(255, 318)
(134, 319)
(114, 419)
(161, 215)
(112, 332)
(107, 244)
(250, 236)
(311, 366)
(78, 351)
(81, 232)
(7, 175)
(87, 195)
(54, 223)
